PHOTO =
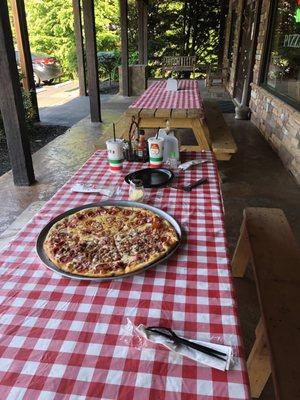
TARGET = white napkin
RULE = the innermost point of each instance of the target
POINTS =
(189, 164)
(191, 353)
(88, 188)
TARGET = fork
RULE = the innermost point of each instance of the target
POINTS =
(191, 186)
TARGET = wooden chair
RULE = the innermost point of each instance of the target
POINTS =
(215, 72)
(267, 240)
(180, 64)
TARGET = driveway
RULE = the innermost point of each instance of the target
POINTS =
(61, 104)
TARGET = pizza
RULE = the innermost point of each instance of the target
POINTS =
(105, 241)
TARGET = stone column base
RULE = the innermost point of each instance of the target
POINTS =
(138, 75)
(241, 111)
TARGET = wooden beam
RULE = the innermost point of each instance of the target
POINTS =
(124, 46)
(139, 6)
(91, 59)
(20, 24)
(239, 29)
(223, 18)
(11, 105)
(249, 77)
(79, 47)
(142, 31)
(146, 32)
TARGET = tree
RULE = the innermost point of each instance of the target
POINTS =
(186, 27)
(51, 29)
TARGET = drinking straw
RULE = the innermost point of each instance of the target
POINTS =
(156, 137)
(114, 131)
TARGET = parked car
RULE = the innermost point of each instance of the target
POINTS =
(45, 68)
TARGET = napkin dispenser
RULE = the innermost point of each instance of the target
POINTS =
(172, 85)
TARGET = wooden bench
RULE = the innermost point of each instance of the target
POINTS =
(180, 64)
(267, 240)
(222, 141)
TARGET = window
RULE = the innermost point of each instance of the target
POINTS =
(282, 69)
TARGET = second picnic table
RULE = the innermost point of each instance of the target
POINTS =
(183, 108)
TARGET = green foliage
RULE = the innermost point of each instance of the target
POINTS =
(108, 62)
(51, 29)
(29, 111)
(195, 30)
(185, 27)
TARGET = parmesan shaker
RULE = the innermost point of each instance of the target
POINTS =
(136, 190)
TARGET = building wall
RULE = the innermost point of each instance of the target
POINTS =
(278, 122)
(280, 125)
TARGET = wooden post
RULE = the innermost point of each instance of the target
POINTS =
(239, 28)
(91, 59)
(79, 47)
(11, 105)
(223, 18)
(124, 46)
(20, 24)
(142, 31)
(258, 6)
(145, 20)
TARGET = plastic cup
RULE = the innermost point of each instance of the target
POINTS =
(156, 151)
(115, 154)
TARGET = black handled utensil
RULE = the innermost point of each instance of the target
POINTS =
(171, 335)
(189, 187)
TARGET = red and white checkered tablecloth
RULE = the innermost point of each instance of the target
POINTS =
(65, 339)
(156, 96)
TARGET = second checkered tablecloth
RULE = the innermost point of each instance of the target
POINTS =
(156, 96)
(64, 339)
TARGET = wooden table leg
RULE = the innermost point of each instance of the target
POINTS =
(258, 363)
(198, 126)
(200, 133)
(241, 254)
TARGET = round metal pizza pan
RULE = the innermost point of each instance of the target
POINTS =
(47, 262)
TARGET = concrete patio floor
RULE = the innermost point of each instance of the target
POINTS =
(255, 176)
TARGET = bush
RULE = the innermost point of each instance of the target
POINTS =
(29, 110)
(108, 62)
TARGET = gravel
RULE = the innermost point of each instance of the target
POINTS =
(39, 136)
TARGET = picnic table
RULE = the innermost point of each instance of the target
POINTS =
(183, 108)
(66, 339)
